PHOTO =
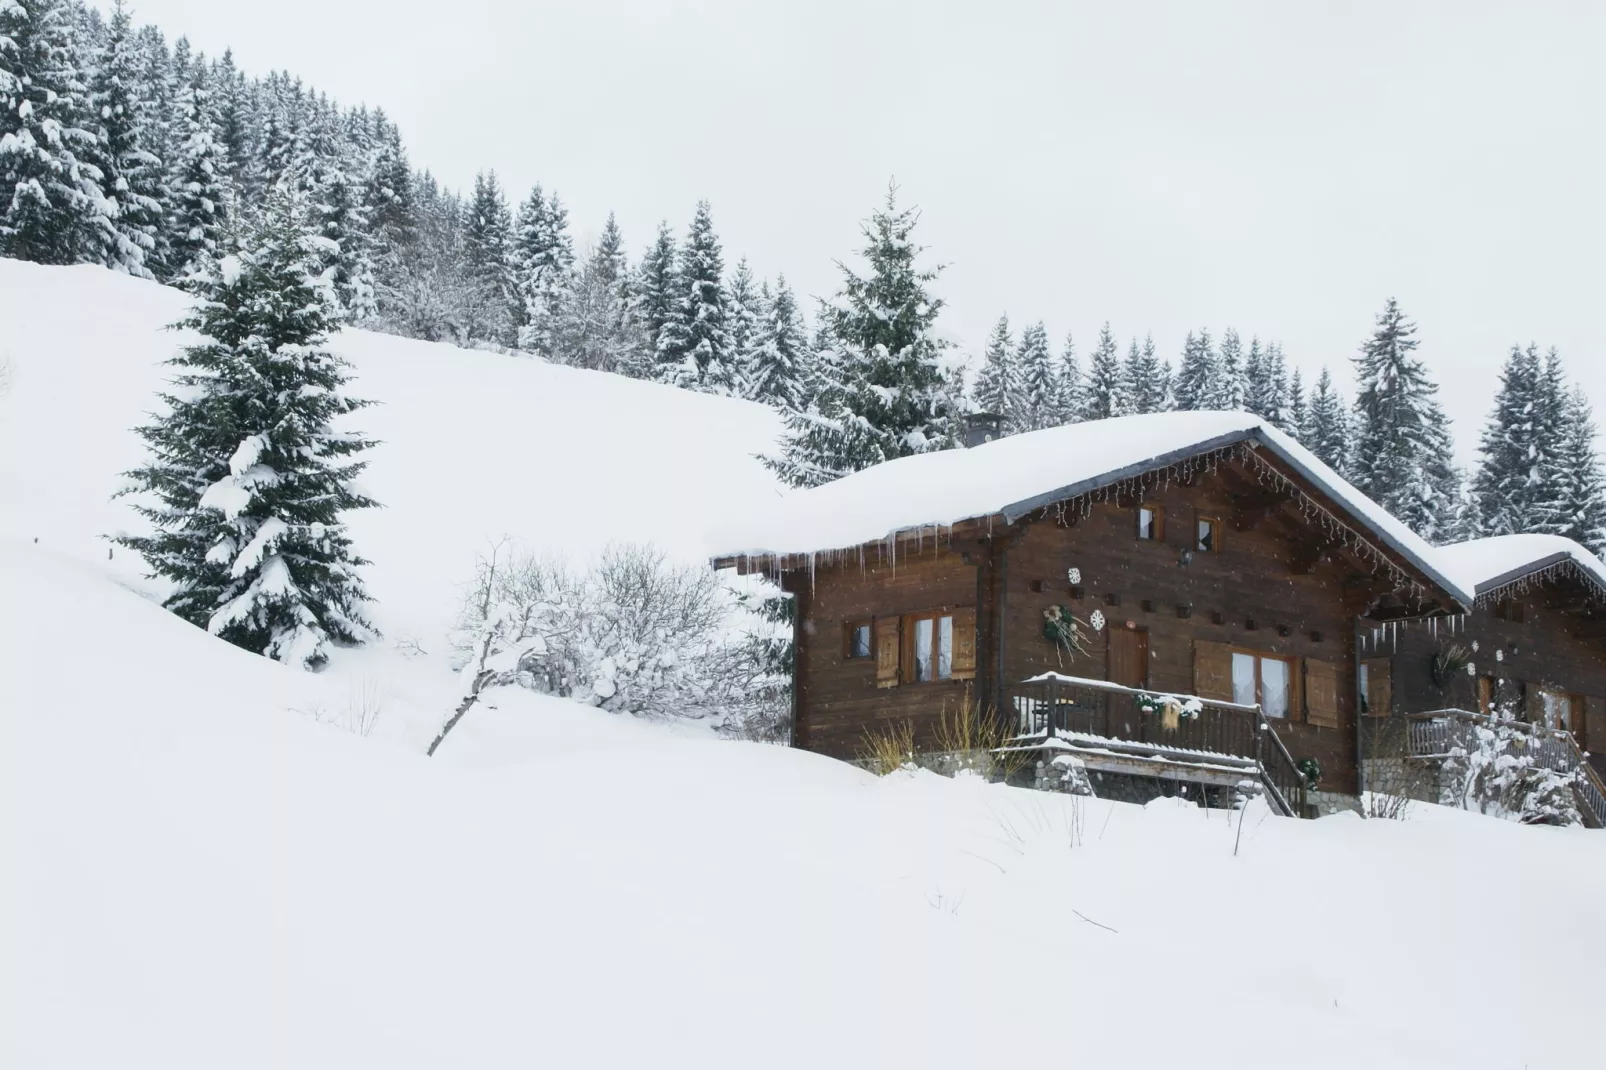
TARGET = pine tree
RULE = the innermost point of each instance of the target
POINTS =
(776, 376)
(1518, 449)
(1104, 390)
(1070, 383)
(52, 210)
(1146, 377)
(327, 168)
(1328, 427)
(998, 381)
(1196, 378)
(490, 297)
(1581, 484)
(596, 330)
(235, 126)
(883, 391)
(654, 293)
(156, 122)
(745, 317)
(694, 347)
(130, 173)
(198, 217)
(1038, 400)
(1227, 387)
(249, 477)
(543, 264)
(1403, 455)
(1298, 424)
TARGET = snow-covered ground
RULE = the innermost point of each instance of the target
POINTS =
(199, 867)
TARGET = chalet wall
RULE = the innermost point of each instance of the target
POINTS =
(837, 697)
(1537, 651)
(1246, 594)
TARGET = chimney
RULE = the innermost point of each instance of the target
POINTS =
(981, 428)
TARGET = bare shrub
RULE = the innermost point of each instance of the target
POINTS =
(886, 750)
(970, 732)
(1394, 777)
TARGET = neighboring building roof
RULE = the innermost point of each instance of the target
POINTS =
(1484, 565)
(1015, 475)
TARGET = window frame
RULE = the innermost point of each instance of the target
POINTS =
(849, 628)
(1294, 709)
(1215, 533)
(1156, 512)
(908, 656)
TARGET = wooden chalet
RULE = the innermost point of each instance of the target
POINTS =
(1530, 651)
(1213, 566)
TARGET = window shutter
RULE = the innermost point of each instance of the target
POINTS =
(964, 652)
(1212, 670)
(1321, 693)
(1593, 733)
(1379, 687)
(886, 651)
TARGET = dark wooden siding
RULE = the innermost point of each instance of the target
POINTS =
(837, 697)
(1246, 595)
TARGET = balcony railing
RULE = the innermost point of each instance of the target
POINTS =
(1072, 707)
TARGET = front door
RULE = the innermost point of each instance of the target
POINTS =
(1128, 665)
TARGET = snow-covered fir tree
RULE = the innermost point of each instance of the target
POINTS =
(1147, 378)
(52, 209)
(543, 265)
(1104, 389)
(1195, 383)
(1070, 382)
(491, 303)
(1582, 486)
(597, 330)
(998, 382)
(884, 390)
(1327, 433)
(1037, 403)
(744, 316)
(1403, 454)
(1298, 423)
(654, 293)
(779, 365)
(1266, 383)
(1515, 480)
(694, 346)
(328, 172)
(199, 217)
(236, 125)
(131, 175)
(251, 468)
(1227, 388)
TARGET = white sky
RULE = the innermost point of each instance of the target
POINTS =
(1277, 167)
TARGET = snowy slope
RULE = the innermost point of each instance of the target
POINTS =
(196, 877)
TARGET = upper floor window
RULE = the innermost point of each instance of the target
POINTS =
(1151, 522)
(1207, 534)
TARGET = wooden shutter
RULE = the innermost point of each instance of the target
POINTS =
(1592, 726)
(887, 648)
(1212, 670)
(963, 665)
(1379, 687)
(1321, 693)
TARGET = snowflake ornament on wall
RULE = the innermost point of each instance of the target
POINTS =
(1097, 620)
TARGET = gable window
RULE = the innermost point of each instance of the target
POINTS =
(856, 640)
(1207, 534)
(1151, 523)
(1264, 679)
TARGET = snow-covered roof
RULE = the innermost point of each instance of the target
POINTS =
(1483, 565)
(1013, 476)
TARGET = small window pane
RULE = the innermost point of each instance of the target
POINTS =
(1207, 535)
(1365, 685)
(923, 634)
(1145, 522)
(859, 645)
(945, 647)
(1243, 679)
(1274, 687)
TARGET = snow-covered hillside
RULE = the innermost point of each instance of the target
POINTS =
(202, 869)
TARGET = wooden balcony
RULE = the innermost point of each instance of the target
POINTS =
(1136, 732)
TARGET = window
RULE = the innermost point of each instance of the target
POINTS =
(932, 640)
(857, 640)
(1263, 679)
(1558, 709)
(1151, 523)
(1207, 535)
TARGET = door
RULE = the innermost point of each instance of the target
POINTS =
(1128, 665)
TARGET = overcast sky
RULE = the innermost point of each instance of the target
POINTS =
(1279, 167)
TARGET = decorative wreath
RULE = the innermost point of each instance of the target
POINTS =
(1311, 770)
